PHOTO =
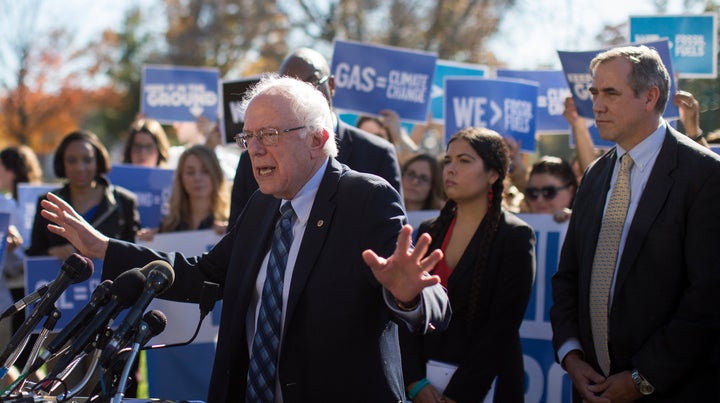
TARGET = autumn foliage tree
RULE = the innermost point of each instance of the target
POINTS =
(47, 88)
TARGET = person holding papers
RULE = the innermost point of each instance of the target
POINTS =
(488, 269)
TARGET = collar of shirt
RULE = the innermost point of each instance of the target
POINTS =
(303, 201)
(644, 154)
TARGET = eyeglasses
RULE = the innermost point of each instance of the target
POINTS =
(268, 136)
(321, 81)
(412, 177)
(315, 82)
(547, 192)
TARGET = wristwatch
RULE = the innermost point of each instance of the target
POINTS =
(641, 384)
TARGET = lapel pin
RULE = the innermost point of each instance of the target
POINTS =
(320, 223)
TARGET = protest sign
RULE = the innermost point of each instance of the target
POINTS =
(692, 41)
(508, 106)
(369, 78)
(179, 94)
(552, 91)
(446, 68)
(233, 92)
(576, 67)
(152, 186)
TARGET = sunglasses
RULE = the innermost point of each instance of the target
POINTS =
(547, 192)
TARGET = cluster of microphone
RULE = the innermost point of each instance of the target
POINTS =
(91, 333)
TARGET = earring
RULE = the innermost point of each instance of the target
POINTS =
(490, 195)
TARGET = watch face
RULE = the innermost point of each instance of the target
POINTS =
(646, 388)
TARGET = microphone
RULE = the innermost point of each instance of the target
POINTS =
(99, 298)
(159, 278)
(123, 293)
(153, 323)
(74, 270)
(25, 301)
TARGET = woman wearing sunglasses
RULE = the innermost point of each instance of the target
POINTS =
(551, 188)
(488, 269)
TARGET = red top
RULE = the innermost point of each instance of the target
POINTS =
(441, 268)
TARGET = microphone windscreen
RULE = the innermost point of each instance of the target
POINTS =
(128, 286)
(78, 268)
(161, 266)
(156, 321)
(160, 274)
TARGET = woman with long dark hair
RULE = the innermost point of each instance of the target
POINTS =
(488, 269)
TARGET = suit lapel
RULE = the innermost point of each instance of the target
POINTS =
(344, 143)
(316, 232)
(263, 223)
(651, 202)
(593, 218)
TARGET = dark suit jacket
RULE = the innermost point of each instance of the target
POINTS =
(340, 341)
(493, 348)
(117, 216)
(664, 316)
(360, 150)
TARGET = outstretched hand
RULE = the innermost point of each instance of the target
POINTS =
(70, 225)
(405, 273)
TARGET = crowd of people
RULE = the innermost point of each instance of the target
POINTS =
(455, 290)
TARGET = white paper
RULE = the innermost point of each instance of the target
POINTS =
(439, 374)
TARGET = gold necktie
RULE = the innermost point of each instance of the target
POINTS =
(606, 254)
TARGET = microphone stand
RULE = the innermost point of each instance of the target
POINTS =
(48, 327)
(88, 375)
(122, 384)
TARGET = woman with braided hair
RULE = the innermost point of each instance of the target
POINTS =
(488, 269)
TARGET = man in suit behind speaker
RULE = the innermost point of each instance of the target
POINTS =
(637, 291)
(310, 311)
(359, 150)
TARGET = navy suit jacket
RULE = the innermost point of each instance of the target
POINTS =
(340, 338)
(664, 317)
(358, 149)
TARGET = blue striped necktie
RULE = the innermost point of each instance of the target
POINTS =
(264, 356)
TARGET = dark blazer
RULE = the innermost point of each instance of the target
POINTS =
(493, 347)
(117, 217)
(358, 149)
(340, 341)
(664, 316)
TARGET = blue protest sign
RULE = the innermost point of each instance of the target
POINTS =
(576, 67)
(4, 224)
(692, 38)
(42, 270)
(445, 68)
(552, 92)
(179, 94)
(152, 186)
(28, 196)
(507, 106)
(369, 78)
(546, 380)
